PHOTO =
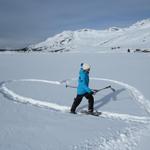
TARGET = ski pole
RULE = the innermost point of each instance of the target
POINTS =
(71, 86)
(104, 89)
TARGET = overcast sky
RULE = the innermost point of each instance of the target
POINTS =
(23, 22)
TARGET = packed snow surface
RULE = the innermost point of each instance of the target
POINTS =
(35, 103)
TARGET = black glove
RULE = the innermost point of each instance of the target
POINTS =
(94, 92)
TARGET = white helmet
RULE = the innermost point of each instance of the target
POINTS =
(86, 66)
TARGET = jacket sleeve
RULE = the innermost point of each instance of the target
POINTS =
(84, 85)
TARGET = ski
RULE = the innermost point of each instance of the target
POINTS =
(95, 113)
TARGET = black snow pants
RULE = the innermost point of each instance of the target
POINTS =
(78, 100)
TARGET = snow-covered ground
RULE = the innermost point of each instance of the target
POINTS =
(34, 103)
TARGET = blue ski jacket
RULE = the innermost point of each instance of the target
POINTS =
(83, 83)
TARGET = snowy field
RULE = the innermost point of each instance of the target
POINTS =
(34, 103)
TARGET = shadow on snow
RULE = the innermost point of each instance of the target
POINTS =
(106, 99)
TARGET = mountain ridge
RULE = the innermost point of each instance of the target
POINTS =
(133, 38)
(136, 36)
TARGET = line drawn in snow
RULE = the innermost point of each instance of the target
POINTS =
(9, 94)
(125, 140)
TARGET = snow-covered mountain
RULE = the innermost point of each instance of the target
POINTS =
(137, 36)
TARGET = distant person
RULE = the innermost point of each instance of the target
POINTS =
(83, 89)
(128, 50)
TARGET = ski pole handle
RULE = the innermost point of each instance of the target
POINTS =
(71, 86)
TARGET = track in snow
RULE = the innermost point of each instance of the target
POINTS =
(125, 140)
(9, 94)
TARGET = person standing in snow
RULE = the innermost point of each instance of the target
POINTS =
(83, 89)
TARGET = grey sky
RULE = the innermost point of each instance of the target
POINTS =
(23, 22)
